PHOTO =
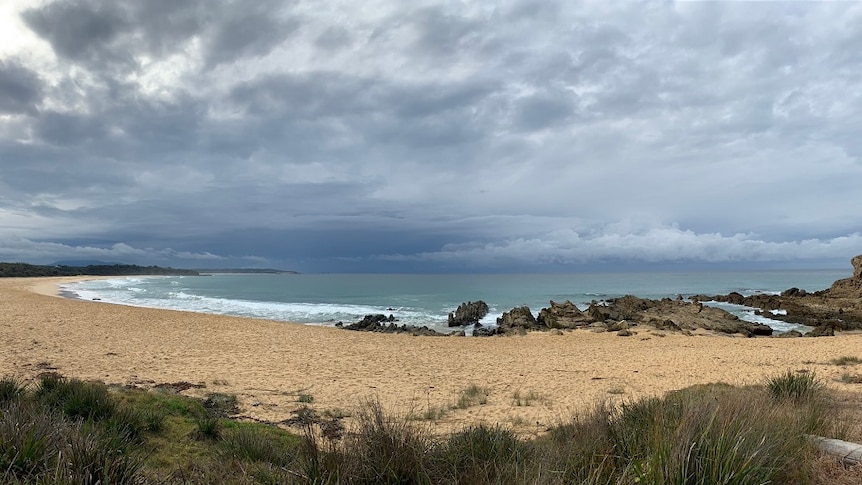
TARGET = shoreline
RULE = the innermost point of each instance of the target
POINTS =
(268, 363)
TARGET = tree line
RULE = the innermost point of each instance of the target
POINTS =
(24, 270)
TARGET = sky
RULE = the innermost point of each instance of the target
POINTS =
(431, 136)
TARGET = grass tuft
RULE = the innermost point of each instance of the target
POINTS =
(847, 360)
(470, 396)
(794, 386)
(10, 389)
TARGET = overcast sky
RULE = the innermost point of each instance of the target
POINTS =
(431, 135)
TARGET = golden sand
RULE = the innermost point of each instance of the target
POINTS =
(268, 364)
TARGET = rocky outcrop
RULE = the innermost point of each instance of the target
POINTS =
(849, 287)
(517, 320)
(383, 324)
(674, 315)
(468, 313)
(562, 315)
(838, 308)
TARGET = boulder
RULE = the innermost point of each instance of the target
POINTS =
(515, 319)
(793, 292)
(562, 315)
(735, 298)
(468, 313)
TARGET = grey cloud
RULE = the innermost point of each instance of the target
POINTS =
(81, 31)
(459, 133)
(64, 129)
(543, 110)
(21, 89)
(248, 34)
(442, 34)
(333, 38)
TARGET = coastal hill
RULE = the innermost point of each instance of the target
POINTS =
(9, 270)
(245, 271)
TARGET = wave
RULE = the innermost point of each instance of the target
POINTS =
(300, 312)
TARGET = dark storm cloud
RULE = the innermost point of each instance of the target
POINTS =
(20, 88)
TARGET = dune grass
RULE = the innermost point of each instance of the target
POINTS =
(711, 434)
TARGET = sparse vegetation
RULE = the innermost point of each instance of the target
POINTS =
(848, 378)
(470, 396)
(305, 398)
(847, 360)
(527, 399)
(705, 434)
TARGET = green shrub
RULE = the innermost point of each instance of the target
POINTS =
(794, 386)
(77, 399)
(100, 458)
(253, 444)
(384, 449)
(208, 427)
(482, 454)
(29, 438)
(10, 390)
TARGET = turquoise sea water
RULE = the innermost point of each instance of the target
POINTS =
(427, 299)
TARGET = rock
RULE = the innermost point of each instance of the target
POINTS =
(735, 298)
(849, 287)
(792, 292)
(368, 323)
(625, 333)
(789, 334)
(562, 315)
(515, 319)
(824, 331)
(600, 313)
(468, 313)
(383, 324)
(484, 332)
(618, 326)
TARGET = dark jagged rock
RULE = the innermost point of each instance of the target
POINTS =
(562, 315)
(822, 331)
(383, 324)
(515, 319)
(484, 332)
(468, 313)
(790, 334)
(794, 292)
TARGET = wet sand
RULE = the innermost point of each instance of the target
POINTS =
(269, 364)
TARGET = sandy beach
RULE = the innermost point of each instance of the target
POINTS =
(269, 364)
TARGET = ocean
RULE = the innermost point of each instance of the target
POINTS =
(325, 299)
